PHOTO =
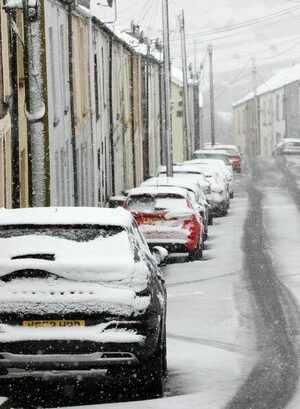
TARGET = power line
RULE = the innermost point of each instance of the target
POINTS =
(280, 54)
(245, 23)
(240, 26)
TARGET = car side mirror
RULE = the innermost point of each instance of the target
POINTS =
(160, 254)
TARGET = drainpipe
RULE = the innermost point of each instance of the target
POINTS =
(72, 110)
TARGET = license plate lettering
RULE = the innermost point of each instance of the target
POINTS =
(53, 323)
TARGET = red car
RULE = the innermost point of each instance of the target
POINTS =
(233, 154)
(168, 217)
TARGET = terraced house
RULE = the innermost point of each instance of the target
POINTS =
(278, 113)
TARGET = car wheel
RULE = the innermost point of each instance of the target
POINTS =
(210, 221)
(150, 376)
(231, 195)
(196, 254)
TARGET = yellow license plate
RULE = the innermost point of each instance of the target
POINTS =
(54, 323)
(151, 220)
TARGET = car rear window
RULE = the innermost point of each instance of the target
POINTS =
(79, 233)
(152, 203)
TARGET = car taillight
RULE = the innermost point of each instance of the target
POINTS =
(194, 236)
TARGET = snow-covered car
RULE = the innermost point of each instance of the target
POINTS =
(68, 303)
(222, 169)
(213, 154)
(219, 196)
(195, 190)
(288, 146)
(168, 218)
(234, 155)
(188, 172)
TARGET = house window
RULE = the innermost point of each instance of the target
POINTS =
(179, 114)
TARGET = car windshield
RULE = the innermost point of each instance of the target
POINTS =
(152, 203)
(79, 233)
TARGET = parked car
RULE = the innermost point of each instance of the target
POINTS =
(168, 218)
(191, 186)
(219, 196)
(68, 303)
(192, 174)
(288, 146)
(222, 169)
(234, 155)
(214, 154)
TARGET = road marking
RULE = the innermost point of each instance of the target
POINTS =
(185, 294)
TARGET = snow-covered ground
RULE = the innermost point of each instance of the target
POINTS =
(282, 221)
(211, 346)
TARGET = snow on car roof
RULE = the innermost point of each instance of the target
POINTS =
(154, 190)
(211, 151)
(220, 147)
(170, 181)
(66, 215)
(181, 168)
(289, 140)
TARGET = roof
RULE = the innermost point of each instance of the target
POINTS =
(66, 215)
(155, 190)
(279, 80)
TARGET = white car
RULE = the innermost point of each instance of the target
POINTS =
(193, 187)
(214, 154)
(222, 169)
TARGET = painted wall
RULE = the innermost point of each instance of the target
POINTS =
(5, 120)
(177, 123)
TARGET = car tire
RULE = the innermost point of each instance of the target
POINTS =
(231, 195)
(210, 221)
(196, 254)
(150, 375)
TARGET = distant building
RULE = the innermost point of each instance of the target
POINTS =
(278, 114)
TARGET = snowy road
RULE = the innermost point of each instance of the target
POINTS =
(233, 317)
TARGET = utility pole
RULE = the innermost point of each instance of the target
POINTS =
(167, 87)
(196, 95)
(212, 97)
(256, 108)
(186, 123)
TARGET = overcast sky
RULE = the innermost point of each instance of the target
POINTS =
(274, 42)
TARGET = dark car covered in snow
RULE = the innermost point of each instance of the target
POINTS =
(80, 290)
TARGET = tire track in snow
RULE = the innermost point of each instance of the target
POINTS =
(274, 379)
(226, 346)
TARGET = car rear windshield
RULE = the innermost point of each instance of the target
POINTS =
(151, 203)
(79, 233)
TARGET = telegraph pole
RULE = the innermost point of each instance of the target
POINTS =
(212, 98)
(187, 126)
(167, 87)
(196, 95)
(256, 108)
